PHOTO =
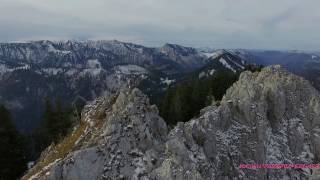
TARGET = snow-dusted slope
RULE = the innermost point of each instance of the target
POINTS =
(222, 60)
(186, 56)
(266, 117)
(31, 71)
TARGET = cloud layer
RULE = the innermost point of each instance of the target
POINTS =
(272, 24)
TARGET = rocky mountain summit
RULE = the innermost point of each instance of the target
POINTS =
(266, 117)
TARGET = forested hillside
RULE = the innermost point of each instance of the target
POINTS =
(184, 100)
(13, 156)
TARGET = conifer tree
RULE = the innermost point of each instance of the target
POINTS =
(185, 100)
(56, 123)
(12, 149)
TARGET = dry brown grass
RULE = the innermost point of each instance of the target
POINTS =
(61, 150)
(58, 151)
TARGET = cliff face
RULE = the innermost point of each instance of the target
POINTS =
(120, 136)
(265, 118)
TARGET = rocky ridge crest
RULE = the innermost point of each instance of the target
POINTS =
(266, 117)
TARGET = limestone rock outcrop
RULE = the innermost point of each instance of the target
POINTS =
(266, 117)
(270, 117)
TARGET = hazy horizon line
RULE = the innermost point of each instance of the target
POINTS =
(211, 48)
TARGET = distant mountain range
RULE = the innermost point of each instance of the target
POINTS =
(73, 71)
(305, 64)
(81, 71)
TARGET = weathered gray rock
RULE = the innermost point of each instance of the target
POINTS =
(271, 117)
(265, 118)
(126, 145)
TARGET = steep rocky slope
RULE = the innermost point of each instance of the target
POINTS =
(266, 117)
(115, 137)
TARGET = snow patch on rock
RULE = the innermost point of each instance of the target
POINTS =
(227, 65)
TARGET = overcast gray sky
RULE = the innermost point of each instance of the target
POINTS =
(270, 24)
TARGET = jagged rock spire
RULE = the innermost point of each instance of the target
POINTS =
(266, 117)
